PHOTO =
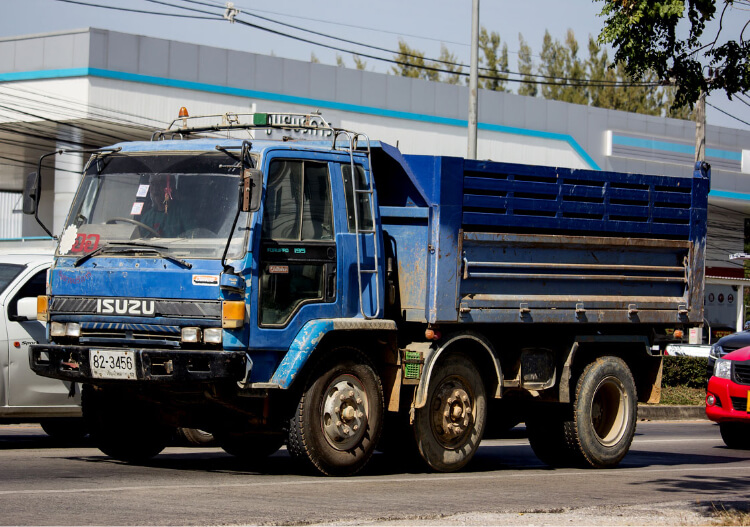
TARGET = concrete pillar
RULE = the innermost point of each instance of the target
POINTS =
(68, 168)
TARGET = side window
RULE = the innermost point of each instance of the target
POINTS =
(298, 202)
(362, 200)
(297, 239)
(36, 286)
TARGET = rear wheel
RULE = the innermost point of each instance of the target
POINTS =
(546, 431)
(339, 417)
(736, 435)
(123, 428)
(251, 446)
(64, 428)
(197, 437)
(604, 414)
(449, 427)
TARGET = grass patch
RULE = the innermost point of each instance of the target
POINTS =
(730, 516)
(684, 395)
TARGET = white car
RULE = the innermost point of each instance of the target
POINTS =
(25, 396)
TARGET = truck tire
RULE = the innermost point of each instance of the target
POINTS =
(126, 430)
(339, 417)
(604, 414)
(251, 447)
(64, 428)
(546, 431)
(735, 435)
(197, 437)
(449, 427)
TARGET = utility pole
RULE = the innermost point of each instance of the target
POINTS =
(474, 81)
(700, 128)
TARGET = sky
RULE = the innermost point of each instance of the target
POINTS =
(425, 25)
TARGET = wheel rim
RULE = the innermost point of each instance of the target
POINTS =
(345, 409)
(452, 410)
(610, 411)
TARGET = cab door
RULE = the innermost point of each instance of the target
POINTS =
(297, 264)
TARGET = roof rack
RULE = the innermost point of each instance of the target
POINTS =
(182, 126)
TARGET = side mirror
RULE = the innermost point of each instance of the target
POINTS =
(252, 189)
(30, 193)
(26, 308)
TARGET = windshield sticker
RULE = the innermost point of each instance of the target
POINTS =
(142, 191)
(278, 269)
(137, 208)
(85, 243)
(205, 279)
(67, 239)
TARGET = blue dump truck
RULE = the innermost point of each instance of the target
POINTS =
(307, 286)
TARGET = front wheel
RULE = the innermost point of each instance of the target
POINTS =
(604, 413)
(123, 428)
(339, 417)
(449, 427)
(736, 435)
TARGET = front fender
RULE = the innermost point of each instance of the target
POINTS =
(310, 336)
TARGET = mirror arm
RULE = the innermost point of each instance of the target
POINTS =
(38, 194)
(246, 146)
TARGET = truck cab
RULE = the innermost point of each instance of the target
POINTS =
(209, 266)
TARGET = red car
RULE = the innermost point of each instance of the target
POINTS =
(728, 398)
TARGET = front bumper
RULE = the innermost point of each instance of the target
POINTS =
(734, 401)
(71, 363)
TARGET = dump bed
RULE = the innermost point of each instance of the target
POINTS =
(480, 241)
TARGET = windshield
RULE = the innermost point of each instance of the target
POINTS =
(184, 204)
(7, 273)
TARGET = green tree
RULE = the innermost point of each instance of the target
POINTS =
(314, 59)
(340, 61)
(359, 63)
(526, 67)
(449, 62)
(494, 60)
(604, 94)
(645, 36)
(563, 69)
(411, 63)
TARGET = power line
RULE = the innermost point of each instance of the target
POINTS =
(138, 10)
(577, 82)
(727, 113)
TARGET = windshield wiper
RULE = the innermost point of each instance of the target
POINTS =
(129, 247)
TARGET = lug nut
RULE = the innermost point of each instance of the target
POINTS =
(359, 400)
(355, 427)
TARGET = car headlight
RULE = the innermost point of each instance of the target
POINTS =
(715, 351)
(723, 369)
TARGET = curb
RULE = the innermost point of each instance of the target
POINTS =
(648, 412)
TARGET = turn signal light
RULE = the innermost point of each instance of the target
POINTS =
(232, 313)
(42, 308)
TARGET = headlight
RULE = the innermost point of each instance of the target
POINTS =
(191, 335)
(73, 329)
(715, 351)
(212, 335)
(56, 329)
(723, 369)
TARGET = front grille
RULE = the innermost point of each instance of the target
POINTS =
(739, 404)
(742, 372)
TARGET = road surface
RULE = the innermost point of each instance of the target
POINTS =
(674, 471)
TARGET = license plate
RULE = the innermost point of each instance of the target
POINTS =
(112, 364)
